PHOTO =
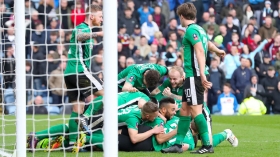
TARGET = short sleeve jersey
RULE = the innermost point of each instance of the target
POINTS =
(126, 99)
(194, 34)
(134, 74)
(79, 54)
(130, 116)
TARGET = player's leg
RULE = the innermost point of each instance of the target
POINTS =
(34, 138)
(208, 118)
(196, 98)
(231, 138)
(184, 121)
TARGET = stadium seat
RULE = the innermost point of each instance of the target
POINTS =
(53, 110)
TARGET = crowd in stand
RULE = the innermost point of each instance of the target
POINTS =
(149, 32)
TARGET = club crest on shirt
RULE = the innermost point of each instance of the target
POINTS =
(195, 37)
(131, 78)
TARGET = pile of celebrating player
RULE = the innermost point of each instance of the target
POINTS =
(169, 118)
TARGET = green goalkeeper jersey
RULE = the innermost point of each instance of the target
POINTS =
(79, 54)
(169, 126)
(132, 117)
(134, 74)
(194, 34)
(124, 99)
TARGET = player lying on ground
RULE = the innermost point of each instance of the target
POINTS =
(140, 77)
(81, 84)
(195, 43)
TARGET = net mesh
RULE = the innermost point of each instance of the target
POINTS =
(48, 31)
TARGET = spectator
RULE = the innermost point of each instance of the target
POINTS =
(39, 35)
(137, 35)
(172, 26)
(162, 45)
(263, 67)
(131, 5)
(212, 23)
(173, 40)
(230, 5)
(52, 64)
(122, 51)
(78, 14)
(44, 9)
(37, 57)
(169, 56)
(121, 63)
(144, 48)
(144, 12)
(231, 28)
(128, 20)
(8, 63)
(57, 85)
(269, 83)
(251, 55)
(63, 13)
(205, 18)
(157, 37)
(181, 32)
(227, 103)
(225, 34)
(254, 88)
(159, 18)
(179, 62)
(217, 6)
(96, 64)
(267, 29)
(235, 20)
(123, 37)
(266, 12)
(28, 80)
(4, 14)
(210, 32)
(9, 38)
(218, 41)
(28, 9)
(235, 42)
(277, 10)
(153, 60)
(247, 15)
(248, 34)
(138, 58)
(273, 46)
(252, 21)
(277, 64)
(154, 53)
(251, 106)
(52, 42)
(217, 78)
(129, 61)
(240, 79)
(35, 19)
(132, 47)
(149, 28)
(231, 62)
(274, 96)
(36, 106)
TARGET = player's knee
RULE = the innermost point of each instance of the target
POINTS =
(196, 110)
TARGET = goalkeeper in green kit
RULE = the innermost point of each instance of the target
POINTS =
(196, 44)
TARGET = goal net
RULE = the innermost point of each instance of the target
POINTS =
(48, 26)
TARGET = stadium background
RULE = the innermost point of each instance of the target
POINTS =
(149, 32)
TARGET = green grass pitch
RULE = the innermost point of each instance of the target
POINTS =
(258, 136)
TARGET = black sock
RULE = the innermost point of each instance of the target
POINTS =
(178, 145)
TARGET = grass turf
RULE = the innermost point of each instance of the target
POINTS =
(257, 135)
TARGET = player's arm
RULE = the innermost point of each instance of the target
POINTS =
(161, 138)
(212, 47)
(135, 137)
(155, 92)
(174, 96)
(129, 82)
(83, 36)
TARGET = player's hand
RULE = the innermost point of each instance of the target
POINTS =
(166, 92)
(132, 89)
(221, 53)
(158, 130)
(206, 84)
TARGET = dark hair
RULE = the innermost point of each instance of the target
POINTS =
(27, 64)
(211, 27)
(54, 33)
(170, 33)
(165, 101)
(187, 10)
(93, 8)
(227, 85)
(154, 100)
(152, 77)
(149, 107)
(142, 36)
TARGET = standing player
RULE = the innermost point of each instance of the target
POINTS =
(81, 84)
(140, 77)
(196, 45)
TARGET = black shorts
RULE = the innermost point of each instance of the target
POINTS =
(193, 91)
(81, 86)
